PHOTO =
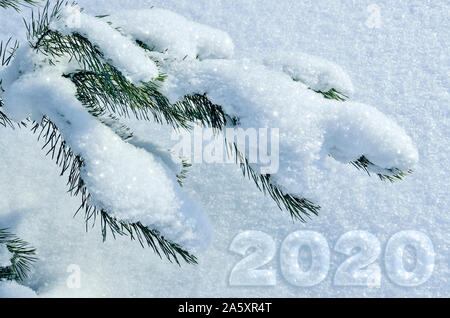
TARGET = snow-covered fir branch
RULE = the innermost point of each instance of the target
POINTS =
(81, 75)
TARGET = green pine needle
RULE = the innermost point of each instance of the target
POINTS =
(185, 165)
(391, 175)
(23, 257)
(333, 94)
(16, 4)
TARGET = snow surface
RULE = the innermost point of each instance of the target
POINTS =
(399, 67)
(14, 290)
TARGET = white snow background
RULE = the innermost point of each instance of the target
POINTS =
(401, 67)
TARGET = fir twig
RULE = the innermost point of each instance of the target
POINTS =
(120, 129)
(109, 92)
(38, 27)
(391, 175)
(23, 256)
(16, 4)
(334, 94)
(4, 120)
(185, 165)
(69, 162)
(136, 231)
(299, 208)
(199, 108)
(7, 51)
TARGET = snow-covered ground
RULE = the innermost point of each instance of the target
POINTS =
(397, 57)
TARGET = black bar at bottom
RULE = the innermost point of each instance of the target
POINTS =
(210, 307)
